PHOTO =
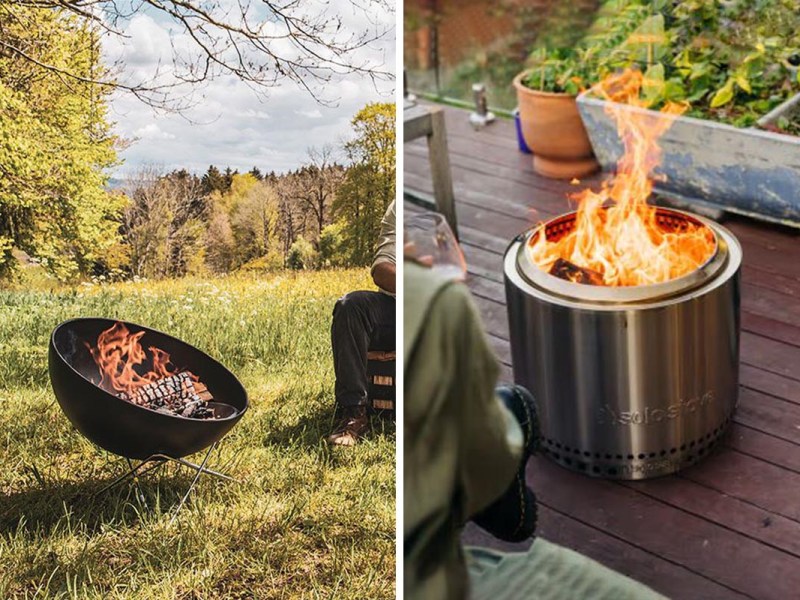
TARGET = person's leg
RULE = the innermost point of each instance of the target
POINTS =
(357, 318)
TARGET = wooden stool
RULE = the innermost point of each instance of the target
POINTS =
(381, 379)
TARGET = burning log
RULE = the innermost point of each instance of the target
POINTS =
(571, 272)
(117, 354)
(177, 394)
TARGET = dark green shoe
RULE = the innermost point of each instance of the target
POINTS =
(512, 517)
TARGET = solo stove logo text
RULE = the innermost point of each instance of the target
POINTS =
(653, 415)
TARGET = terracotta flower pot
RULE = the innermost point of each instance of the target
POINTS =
(553, 130)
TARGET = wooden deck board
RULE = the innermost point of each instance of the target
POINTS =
(728, 527)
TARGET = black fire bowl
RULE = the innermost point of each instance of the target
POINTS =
(124, 428)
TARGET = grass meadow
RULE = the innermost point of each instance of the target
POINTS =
(303, 521)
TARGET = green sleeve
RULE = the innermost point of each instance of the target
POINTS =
(490, 439)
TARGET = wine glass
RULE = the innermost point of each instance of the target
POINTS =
(430, 241)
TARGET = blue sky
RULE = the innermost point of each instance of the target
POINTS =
(230, 124)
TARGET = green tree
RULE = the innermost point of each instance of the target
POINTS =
(302, 255)
(228, 178)
(55, 146)
(213, 181)
(331, 245)
(254, 219)
(369, 185)
(163, 224)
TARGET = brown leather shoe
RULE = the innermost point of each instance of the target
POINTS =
(353, 425)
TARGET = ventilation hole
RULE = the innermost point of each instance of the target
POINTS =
(558, 445)
(568, 460)
(652, 455)
(663, 453)
(597, 455)
(567, 448)
(619, 457)
(608, 456)
(612, 471)
(683, 447)
(581, 466)
(673, 450)
(691, 444)
(587, 454)
(630, 456)
(595, 469)
(641, 456)
(576, 452)
(556, 455)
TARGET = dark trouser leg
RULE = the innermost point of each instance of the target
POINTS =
(358, 319)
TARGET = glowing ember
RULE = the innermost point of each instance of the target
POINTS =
(123, 365)
(617, 234)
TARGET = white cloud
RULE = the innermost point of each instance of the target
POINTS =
(151, 131)
(309, 114)
(230, 125)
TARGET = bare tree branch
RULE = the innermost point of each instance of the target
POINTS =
(262, 43)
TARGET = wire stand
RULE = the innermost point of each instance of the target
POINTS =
(156, 461)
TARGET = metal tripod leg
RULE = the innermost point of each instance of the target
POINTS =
(133, 472)
(159, 460)
(139, 493)
(200, 470)
(196, 467)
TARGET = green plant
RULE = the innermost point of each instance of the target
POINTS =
(571, 68)
(730, 61)
(302, 255)
(332, 249)
(557, 71)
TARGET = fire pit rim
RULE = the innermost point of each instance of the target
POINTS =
(511, 266)
(580, 292)
(236, 415)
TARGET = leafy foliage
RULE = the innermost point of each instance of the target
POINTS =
(55, 147)
(369, 186)
(563, 63)
(302, 255)
(731, 61)
(331, 245)
(162, 226)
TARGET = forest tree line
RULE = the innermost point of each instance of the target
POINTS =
(323, 214)
(58, 148)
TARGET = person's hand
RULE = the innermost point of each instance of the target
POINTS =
(384, 274)
(410, 253)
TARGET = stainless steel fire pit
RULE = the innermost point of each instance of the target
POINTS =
(632, 382)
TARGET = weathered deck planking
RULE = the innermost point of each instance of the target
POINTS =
(728, 527)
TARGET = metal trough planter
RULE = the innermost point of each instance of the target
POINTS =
(746, 171)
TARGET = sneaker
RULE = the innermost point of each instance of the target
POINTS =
(354, 423)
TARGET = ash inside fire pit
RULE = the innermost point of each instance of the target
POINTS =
(123, 365)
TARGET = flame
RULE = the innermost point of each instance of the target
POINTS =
(616, 231)
(117, 354)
